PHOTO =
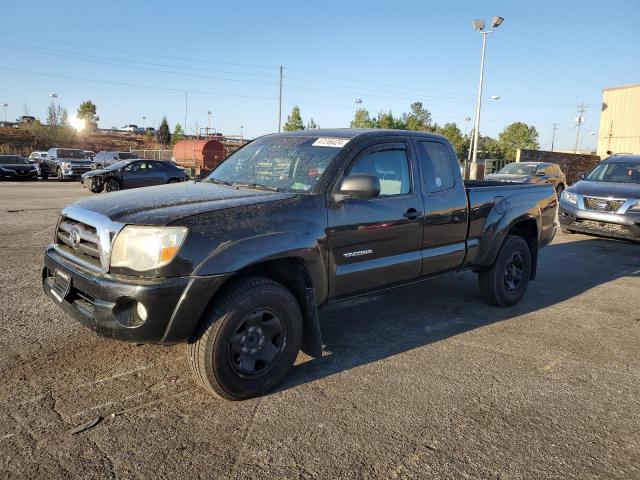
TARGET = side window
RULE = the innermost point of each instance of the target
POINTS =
(390, 166)
(440, 176)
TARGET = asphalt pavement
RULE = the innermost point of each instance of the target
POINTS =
(423, 382)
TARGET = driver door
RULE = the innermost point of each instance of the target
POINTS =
(377, 242)
(134, 175)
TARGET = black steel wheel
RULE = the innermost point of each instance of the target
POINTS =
(505, 282)
(256, 344)
(112, 185)
(248, 341)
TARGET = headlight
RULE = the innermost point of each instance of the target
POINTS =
(65, 164)
(635, 207)
(146, 248)
(569, 197)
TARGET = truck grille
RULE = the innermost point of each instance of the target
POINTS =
(79, 240)
(85, 237)
(603, 204)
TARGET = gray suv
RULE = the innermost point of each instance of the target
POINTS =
(606, 201)
(64, 163)
(104, 159)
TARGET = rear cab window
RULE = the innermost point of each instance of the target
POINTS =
(438, 165)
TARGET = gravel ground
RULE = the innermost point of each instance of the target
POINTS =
(423, 382)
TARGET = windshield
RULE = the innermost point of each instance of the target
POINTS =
(12, 160)
(79, 154)
(117, 165)
(518, 169)
(620, 172)
(285, 164)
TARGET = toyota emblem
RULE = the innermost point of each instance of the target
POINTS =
(74, 237)
(602, 205)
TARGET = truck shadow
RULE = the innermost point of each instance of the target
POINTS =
(371, 328)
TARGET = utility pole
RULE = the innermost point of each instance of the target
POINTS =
(553, 135)
(280, 103)
(579, 120)
(186, 103)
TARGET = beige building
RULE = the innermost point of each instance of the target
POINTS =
(620, 121)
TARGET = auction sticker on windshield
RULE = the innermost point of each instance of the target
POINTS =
(330, 142)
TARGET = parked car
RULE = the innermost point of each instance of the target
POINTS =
(531, 172)
(132, 174)
(150, 130)
(16, 167)
(64, 163)
(129, 128)
(104, 159)
(25, 119)
(90, 154)
(606, 201)
(36, 158)
(238, 264)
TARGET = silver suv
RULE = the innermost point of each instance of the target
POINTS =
(104, 159)
(65, 164)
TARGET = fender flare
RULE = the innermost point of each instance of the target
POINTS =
(494, 233)
(232, 257)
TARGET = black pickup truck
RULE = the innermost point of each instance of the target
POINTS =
(238, 264)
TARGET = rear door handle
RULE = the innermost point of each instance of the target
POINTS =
(411, 214)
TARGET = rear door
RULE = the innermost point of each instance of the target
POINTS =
(445, 207)
(135, 175)
(376, 242)
(157, 173)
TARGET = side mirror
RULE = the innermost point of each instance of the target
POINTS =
(580, 175)
(362, 186)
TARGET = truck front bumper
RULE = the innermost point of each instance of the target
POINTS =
(624, 226)
(109, 304)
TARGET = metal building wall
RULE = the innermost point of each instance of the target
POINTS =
(620, 121)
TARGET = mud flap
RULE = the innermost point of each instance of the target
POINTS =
(312, 337)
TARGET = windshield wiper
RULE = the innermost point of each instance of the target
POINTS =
(257, 186)
(218, 181)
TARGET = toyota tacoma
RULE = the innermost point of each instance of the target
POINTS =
(237, 264)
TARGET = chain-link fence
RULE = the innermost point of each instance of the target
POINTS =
(154, 154)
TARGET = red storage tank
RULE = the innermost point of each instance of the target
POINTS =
(199, 154)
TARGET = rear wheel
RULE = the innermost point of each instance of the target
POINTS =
(506, 281)
(112, 185)
(248, 341)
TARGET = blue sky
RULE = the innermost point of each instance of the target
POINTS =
(136, 59)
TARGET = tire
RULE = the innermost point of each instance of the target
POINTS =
(96, 189)
(228, 354)
(505, 282)
(559, 190)
(173, 180)
(112, 185)
(45, 177)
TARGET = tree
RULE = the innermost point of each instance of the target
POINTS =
(178, 134)
(294, 121)
(362, 119)
(164, 134)
(387, 120)
(56, 115)
(419, 119)
(87, 112)
(312, 125)
(518, 135)
(459, 143)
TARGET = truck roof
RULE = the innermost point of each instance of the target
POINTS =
(356, 132)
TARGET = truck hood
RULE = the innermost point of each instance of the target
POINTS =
(606, 189)
(164, 204)
(507, 177)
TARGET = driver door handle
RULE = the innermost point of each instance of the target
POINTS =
(411, 214)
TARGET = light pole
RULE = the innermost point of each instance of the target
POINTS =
(5, 105)
(241, 134)
(209, 122)
(144, 120)
(358, 102)
(53, 102)
(479, 26)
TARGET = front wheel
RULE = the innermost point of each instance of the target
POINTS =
(505, 282)
(112, 185)
(249, 340)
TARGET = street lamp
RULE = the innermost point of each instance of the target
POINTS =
(358, 102)
(5, 105)
(53, 97)
(241, 134)
(209, 124)
(479, 25)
